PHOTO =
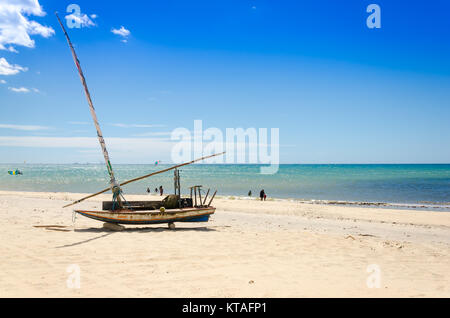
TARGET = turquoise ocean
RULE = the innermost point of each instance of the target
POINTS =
(419, 186)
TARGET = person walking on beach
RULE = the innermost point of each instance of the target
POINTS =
(262, 195)
(161, 190)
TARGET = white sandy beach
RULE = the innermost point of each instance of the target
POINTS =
(249, 248)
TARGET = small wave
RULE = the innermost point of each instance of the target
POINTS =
(428, 206)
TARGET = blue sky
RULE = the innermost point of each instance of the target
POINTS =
(338, 91)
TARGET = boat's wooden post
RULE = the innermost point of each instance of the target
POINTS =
(175, 181)
(200, 195)
(204, 201)
(195, 196)
(179, 186)
(212, 198)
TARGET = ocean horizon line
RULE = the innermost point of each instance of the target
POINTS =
(230, 164)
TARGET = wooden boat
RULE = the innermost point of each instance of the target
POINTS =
(153, 212)
(150, 217)
(172, 209)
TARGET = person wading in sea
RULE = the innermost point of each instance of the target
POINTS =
(262, 195)
(161, 190)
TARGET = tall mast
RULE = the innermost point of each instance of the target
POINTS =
(114, 185)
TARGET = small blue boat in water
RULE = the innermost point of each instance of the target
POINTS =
(15, 172)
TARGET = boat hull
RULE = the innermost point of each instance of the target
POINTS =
(150, 217)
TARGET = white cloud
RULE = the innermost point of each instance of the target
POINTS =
(78, 123)
(82, 19)
(26, 6)
(10, 69)
(11, 49)
(122, 32)
(135, 125)
(36, 28)
(23, 127)
(16, 28)
(121, 150)
(19, 89)
(121, 144)
(23, 89)
(2, 82)
(80, 131)
(155, 133)
(94, 16)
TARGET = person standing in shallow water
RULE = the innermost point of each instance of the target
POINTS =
(161, 190)
(262, 195)
(250, 193)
